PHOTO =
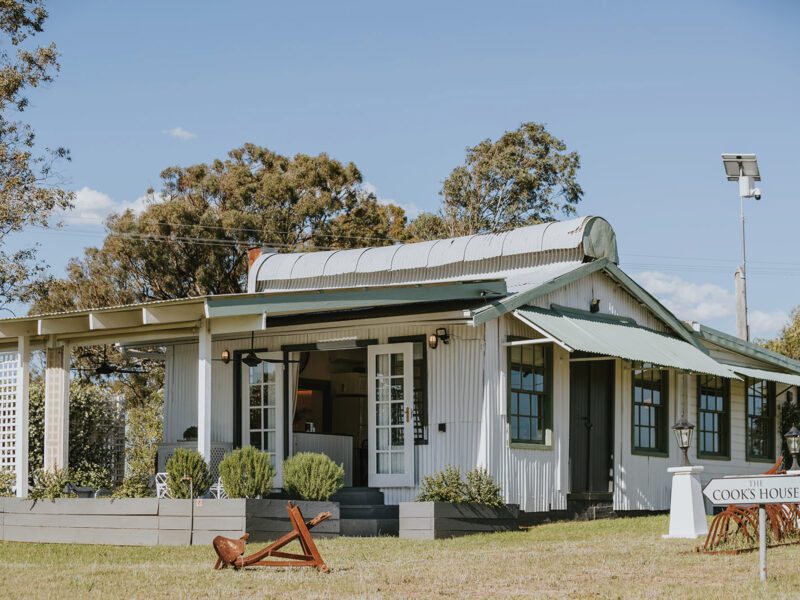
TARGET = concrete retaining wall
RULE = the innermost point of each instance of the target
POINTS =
(435, 520)
(151, 522)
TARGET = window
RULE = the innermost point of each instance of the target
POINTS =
(713, 418)
(420, 415)
(529, 391)
(760, 419)
(650, 409)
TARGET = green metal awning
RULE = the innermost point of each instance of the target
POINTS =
(607, 335)
(768, 375)
(239, 305)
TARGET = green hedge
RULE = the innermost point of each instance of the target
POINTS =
(187, 463)
(246, 473)
(312, 476)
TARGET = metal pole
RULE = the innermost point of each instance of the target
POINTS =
(762, 543)
(744, 269)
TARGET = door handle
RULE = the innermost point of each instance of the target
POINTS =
(408, 414)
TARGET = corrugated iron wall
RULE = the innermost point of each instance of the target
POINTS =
(613, 300)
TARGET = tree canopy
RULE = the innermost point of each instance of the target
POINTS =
(27, 191)
(193, 237)
(525, 177)
(788, 340)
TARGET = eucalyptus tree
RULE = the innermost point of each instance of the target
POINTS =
(28, 190)
(526, 176)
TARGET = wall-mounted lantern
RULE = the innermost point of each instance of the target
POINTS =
(226, 356)
(440, 335)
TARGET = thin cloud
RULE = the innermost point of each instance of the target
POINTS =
(767, 324)
(179, 133)
(705, 302)
(92, 207)
(411, 210)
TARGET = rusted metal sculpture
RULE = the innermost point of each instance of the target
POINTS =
(230, 552)
(740, 524)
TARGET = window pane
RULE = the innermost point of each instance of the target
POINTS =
(255, 395)
(524, 404)
(255, 439)
(255, 418)
(384, 462)
(383, 438)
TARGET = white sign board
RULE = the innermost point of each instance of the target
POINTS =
(757, 489)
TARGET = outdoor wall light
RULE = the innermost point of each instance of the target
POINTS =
(434, 338)
(792, 438)
(683, 434)
(226, 356)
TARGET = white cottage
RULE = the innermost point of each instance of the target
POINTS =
(530, 353)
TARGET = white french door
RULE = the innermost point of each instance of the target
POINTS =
(262, 409)
(391, 405)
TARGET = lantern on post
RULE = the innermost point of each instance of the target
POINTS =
(792, 438)
(683, 434)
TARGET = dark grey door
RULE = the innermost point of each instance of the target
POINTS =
(591, 427)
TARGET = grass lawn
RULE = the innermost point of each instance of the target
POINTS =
(609, 558)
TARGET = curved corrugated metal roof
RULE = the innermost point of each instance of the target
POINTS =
(413, 256)
(378, 259)
(576, 239)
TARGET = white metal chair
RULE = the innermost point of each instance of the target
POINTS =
(218, 491)
(161, 486)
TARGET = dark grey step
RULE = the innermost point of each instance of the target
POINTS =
(594, 511)
(359, 496)
(369, 527)
(369, 511)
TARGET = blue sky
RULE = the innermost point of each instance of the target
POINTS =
(649, 94)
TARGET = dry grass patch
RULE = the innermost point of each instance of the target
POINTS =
(603, 559)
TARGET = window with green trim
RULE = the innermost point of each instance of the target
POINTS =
(760, 419)
(530, 403)
(713, 416)
(650, 409)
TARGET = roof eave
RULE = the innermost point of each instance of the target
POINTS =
(745, 348)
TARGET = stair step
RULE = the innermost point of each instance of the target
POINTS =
(368, 511)
(358, 496)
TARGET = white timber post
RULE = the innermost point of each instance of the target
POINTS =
(204, 391)
(56, 407)
(21, 428)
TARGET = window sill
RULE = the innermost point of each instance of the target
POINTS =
(713, 457)
(653, 453)
(765, 460)
(529, 446)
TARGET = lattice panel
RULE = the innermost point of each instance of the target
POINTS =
(8, 410)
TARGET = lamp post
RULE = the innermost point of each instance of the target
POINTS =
(792, 438)
(742, 168)
(683, 434)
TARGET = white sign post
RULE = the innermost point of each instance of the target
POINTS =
(760, 490)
